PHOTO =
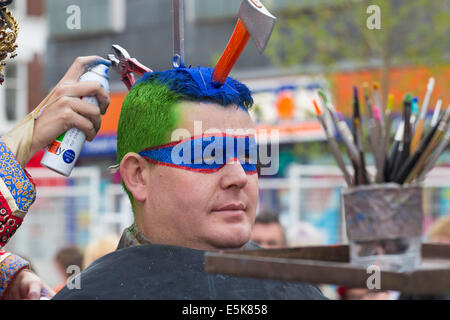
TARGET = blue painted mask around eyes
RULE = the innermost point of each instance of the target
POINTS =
(205, 153)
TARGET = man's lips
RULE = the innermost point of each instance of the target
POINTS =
(238, 206)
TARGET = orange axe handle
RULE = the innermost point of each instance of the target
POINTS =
(231, 54)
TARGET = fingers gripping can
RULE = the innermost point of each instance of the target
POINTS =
(63, 153)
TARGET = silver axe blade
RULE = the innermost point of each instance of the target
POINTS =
(258, 21)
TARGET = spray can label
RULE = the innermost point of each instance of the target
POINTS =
(56, 145)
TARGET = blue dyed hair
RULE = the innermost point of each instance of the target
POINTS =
(195, 84)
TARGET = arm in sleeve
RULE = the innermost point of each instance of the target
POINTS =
(17, 194)
(10, 266)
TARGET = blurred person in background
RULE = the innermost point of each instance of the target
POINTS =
(439, 231)
(302, 234)
(98, 248)
(267, 231)
(59, 111)
(346, 293)
(65, 258)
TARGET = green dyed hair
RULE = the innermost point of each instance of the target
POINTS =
(148, 116)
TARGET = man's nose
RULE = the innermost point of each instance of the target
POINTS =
(233, 174)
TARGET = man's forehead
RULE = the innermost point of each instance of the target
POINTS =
(210, 118)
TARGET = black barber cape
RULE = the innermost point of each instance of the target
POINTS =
(168, 272)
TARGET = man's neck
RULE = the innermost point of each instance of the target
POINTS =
(133, 236)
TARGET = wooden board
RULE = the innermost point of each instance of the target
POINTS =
(331, 265)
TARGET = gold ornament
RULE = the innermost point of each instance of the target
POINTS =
(8, 35)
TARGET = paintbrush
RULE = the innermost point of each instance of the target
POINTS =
(366, 94)
(414, 158)
(403, 146)
(414, 112)
(436, 138)
(348, 140)
(374, 132)
(431, 162)
(405, 152)
(420, 122)
(333, 146)
(377, 100)
(380, 148)
(388, 174)
(436, 112)
(388, 121)
(378, 134)
(342, 127)
(373, 135)
(361, 174)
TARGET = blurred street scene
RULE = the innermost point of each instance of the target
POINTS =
(326, 44)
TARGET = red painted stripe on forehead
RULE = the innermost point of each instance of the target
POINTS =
(171, 144)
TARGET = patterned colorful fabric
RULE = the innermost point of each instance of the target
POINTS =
(17, 194)
(9, 268)
(3, 255)
(16, 180)
(205, 153)
(9, 223)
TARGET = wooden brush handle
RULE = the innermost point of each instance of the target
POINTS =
(233, 50)
(417, 136)
(420, 163)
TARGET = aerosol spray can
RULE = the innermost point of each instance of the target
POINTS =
(63, 153)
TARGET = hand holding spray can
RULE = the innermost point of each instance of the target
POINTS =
(63, 153)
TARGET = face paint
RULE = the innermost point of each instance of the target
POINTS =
(205, 153)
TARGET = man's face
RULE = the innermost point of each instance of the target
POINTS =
(268, 235)
(202, 210)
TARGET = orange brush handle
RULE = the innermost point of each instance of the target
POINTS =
(417, 136)
(234, 48)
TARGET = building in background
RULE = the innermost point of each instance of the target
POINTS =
(24, 88)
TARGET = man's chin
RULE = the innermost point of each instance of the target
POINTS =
(233, 240)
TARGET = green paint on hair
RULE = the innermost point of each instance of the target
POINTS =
(149, 115)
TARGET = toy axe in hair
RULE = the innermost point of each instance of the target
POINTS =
(254, 21)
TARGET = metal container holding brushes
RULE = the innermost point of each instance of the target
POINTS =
(384, 225)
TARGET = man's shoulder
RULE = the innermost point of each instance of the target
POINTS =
(170, 272)
(119, 274)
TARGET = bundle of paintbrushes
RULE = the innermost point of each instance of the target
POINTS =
(414, 151)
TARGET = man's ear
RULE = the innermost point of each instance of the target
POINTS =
(134, 170)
